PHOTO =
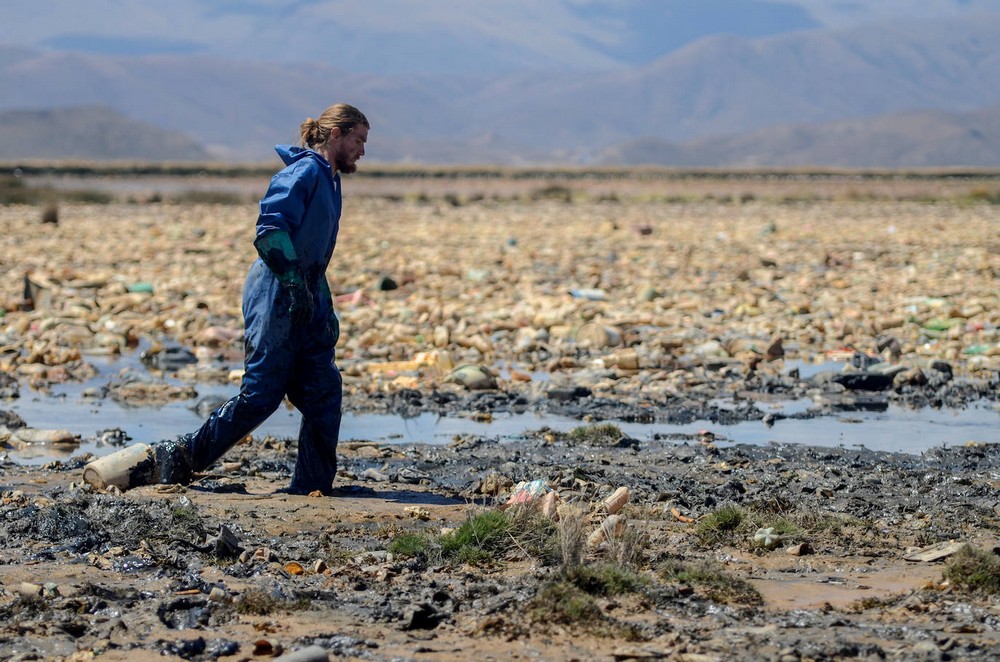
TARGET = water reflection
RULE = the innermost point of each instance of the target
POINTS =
(897, 429)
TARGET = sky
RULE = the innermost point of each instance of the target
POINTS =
(435, 36)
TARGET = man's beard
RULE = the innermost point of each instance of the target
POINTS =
(342, 164)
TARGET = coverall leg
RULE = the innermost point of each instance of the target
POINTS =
(316, 390)
(281, 359)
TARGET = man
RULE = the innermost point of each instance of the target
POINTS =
(291, 328)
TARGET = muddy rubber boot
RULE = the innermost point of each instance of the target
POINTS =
(173, 462)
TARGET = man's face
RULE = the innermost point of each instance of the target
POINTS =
(344, 150)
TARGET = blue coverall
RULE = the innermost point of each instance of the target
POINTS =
(304, 199)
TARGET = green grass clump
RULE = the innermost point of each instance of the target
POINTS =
(720, 525)
(602, 434)
(481, 540)
(787, 528)
(411, 545)
(571, 600)
(974, 570)
(535, 535)
(486, 538)
(711, 579)
(605, 579)
(257, 602)
(564, 603)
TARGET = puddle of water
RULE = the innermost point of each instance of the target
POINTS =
(809, 369)
(897, 429)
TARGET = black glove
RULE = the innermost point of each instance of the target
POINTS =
(300, 306)
(278, 253)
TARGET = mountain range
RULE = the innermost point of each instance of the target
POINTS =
(891, 94)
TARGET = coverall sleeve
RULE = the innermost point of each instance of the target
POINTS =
(284, 204)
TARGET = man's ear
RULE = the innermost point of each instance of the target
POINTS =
(335, 133)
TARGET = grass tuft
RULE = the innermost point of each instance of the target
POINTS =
(605, 580)
(572, 536)
(974, 570)
(564, 603)
(602, 434)
(481, 540)
(411, 545)
(712, 579)
(720, 525)
(257, 602)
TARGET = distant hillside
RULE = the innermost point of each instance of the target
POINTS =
(90, 132)
(901, 140)
(716, 86)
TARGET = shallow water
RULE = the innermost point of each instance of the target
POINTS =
(897, 429)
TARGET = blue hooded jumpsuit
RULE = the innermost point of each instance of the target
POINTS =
(304, 200)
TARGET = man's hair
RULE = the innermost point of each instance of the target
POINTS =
(313, 132)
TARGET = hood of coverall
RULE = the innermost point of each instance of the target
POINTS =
(292, 153)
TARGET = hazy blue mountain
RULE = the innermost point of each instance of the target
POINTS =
(715, 86)
(438, 37)
(900, 140)
(650, 29)
(398, 36)
(90, 132)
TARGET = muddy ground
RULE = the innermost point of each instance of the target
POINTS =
(671, 300)
(205, 572)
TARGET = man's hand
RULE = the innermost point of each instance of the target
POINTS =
(278, 253)
(301, 307)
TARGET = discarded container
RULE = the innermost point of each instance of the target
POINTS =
(473, 377)
(588, 293)
(548, 505)
(768, 537)
(129, 467)
(625, 359)
(614, 502)
(294, 568)
(307, 654)
(596, 335)
(612, 527)
(45, 437)
(38, 290)
(528, 491)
